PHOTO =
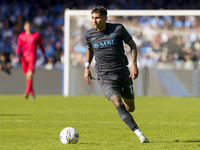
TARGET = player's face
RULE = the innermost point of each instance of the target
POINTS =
(99, 21)
(27, 27)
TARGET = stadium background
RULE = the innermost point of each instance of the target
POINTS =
(180, 62)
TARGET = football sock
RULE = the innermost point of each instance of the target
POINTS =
(28, 86)
(31, 90)
(127, 117)
(138, 132)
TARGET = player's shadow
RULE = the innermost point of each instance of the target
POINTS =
(90, 143)
(190, 141)
(179, 141)
(187, 141)
(12, 115)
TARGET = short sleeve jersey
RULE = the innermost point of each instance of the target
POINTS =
(108, 47)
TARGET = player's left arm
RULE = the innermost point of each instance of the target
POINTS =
(134, 69)
(40, 44)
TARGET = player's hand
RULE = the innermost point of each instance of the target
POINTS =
(134, 71)
(87, 76)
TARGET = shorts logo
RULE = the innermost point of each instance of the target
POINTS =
(131, 89)
(106, 93)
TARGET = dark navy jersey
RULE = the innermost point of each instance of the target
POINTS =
(108, 47)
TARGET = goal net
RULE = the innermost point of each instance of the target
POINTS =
(168, 44)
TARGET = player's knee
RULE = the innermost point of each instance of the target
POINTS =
(131, 108)
(117, 103)
(116, 100)
(29, 75)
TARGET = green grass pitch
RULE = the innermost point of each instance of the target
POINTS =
(170, 123)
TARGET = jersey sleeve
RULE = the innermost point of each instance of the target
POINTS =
(125, 35)
(19, 45)
(39, 40)
(88, 43)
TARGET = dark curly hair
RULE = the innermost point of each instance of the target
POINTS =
(99, 9)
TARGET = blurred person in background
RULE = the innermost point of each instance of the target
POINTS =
(26, 47)
(5, 65)
(58, 53)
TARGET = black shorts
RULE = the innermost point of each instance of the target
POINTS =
(112, 83)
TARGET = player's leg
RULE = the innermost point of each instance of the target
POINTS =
(128, 101)
(127, 117)
(29, 82)
(112, 90)
(32, 91)
(29, 77)
(123, 113)
(127, 93)
(129, 104)
(128, 96)
(28, 69)
(24, 69)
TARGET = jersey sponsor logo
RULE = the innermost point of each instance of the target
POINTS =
(105, 43)
(96, 46)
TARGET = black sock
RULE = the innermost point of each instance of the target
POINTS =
(127, 117)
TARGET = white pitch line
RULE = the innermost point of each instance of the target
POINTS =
(106, 122)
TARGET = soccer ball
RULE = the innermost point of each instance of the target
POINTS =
(69, 135)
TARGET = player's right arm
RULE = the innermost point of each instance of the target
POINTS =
(89, 57)
(18, 49)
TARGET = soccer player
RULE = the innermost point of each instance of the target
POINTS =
(105, 42)
(26, 46)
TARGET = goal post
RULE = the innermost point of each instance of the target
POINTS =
(84, 16)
